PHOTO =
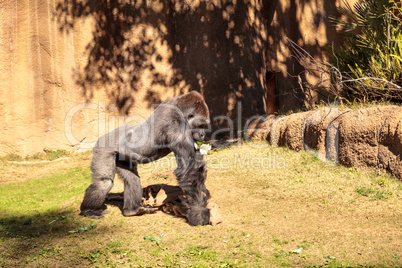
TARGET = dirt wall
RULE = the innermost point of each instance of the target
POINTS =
(362, 138)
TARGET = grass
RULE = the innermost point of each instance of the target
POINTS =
(46, 155)
(280, 209)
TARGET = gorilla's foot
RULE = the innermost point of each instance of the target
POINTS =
(94, 213)
(139, 211)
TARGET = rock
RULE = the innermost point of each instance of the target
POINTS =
(292, 132)
(216, 216)
(321, 133)
(362, 138)
(390, 143)
(276, 129)
(259, 129)
(359, 135)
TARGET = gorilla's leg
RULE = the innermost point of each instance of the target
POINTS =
(132, 189)
(103, 169)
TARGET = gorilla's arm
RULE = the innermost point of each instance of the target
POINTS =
(195, 195)
(182, 145)
(174, 132)
(184, 153)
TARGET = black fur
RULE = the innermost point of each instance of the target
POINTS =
(195, 195)
(173, 127)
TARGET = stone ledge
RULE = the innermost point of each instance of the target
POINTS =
(363, 138)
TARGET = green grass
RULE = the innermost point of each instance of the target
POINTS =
(44, 194)
(46, 155)
(292, 211)
(280, 242)
(375, 193)
(365, 191)
(199, 252)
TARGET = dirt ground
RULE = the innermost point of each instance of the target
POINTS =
(280, 209)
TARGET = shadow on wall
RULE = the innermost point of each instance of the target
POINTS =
(123, 48)
(306, 22)
(215, 47)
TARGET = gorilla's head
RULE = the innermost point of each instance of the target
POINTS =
(196, 113)
(199, 125)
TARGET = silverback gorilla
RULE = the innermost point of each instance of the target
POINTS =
(172, 127)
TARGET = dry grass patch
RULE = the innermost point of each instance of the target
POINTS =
(280, 208)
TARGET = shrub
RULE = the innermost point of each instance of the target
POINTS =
(370, 59)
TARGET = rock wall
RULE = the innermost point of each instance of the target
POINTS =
(356, 138)
(36, 70)
(122, 56)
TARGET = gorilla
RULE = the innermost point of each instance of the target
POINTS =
(174, 126)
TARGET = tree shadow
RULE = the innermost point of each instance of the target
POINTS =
(118, 55)
(29, 235)
(217, 48)
(309, 26)
(139, 50)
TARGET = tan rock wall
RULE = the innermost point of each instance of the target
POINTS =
(362, 138)
(123, 56)
(37, 88)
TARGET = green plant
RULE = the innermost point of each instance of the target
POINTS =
(281, 254)
(305, 244)
(83, 228)
(382, 194)
(280, 242)
(365, 191)
(12, 157)
(382, 182)
(59, 218)
(377, 193)
(54, 154)
(154, 239)
(370, 60)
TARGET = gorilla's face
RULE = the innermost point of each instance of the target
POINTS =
(199, 125)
